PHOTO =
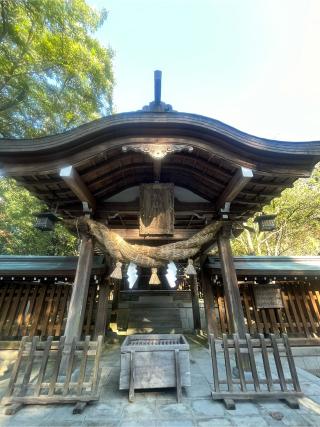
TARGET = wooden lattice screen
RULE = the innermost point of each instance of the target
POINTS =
(54, 372)
(33, 309)
(299, 317)
(254, 369)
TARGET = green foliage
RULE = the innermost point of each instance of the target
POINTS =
(298, 223)
(18, 235)
(54, 74)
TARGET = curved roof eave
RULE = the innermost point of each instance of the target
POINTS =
(50, 149)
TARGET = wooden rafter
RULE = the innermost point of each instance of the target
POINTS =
(73, 180)
(236, 184)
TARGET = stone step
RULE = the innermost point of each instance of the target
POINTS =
(152, 316)
(171, 330)
(149, 319)
(161, 322)
(141, 309)
(137, 305)
(155, 315)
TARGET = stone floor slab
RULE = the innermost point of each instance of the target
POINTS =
(207, 408)
(176, 423)
(99, 422)
(139, 410)
(245, 408)
(249, 421)
(106, 410)
(138, 423)
(173, 410)
(215, 422)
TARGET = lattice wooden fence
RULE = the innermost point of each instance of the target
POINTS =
(299, 317)
(253, 369)
(33, 309)
(52, 372)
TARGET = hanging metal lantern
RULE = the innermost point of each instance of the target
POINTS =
(45, 221)
(266, 222)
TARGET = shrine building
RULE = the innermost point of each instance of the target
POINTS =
(148, 189)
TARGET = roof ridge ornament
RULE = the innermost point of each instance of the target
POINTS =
(157, 106)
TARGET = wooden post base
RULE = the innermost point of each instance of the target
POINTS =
(292, 403)
(229, 398)
(79, 407)
(12, 409)
(229, 404)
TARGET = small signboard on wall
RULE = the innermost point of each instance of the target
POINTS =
(267, 296)
(156, 209)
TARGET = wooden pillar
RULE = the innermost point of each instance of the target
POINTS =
(195, 302)
(116, 294)
(80, 289)
(212, 327)
(102, 309)
(230, 283)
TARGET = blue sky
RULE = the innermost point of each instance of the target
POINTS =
(253, 64)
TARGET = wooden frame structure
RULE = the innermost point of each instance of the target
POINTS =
(35, 295)
(298, 281)
(34, 381)
(259, 382)
(92, 169)
(155, 361)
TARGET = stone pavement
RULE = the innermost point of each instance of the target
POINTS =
(160, 409)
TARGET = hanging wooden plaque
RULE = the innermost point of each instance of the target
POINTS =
(156, 209)
(267, 296)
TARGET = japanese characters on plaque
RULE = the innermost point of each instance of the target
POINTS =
(267, 296)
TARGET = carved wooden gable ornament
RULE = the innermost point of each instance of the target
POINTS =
(156, 209)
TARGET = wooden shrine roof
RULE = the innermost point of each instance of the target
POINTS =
(46, 265)
(271, 265)
(245, 265)
(95, 151)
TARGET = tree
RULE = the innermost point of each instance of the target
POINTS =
(54, 74)
(298, 223)
(17, 232)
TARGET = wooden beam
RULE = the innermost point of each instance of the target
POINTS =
(132, 234)
(230, 283)
(212, 327)
(78, 301)
(80, 288)
(73, 180)
(236, 184)
(111, 208)
(195, 302)
(102, 309)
